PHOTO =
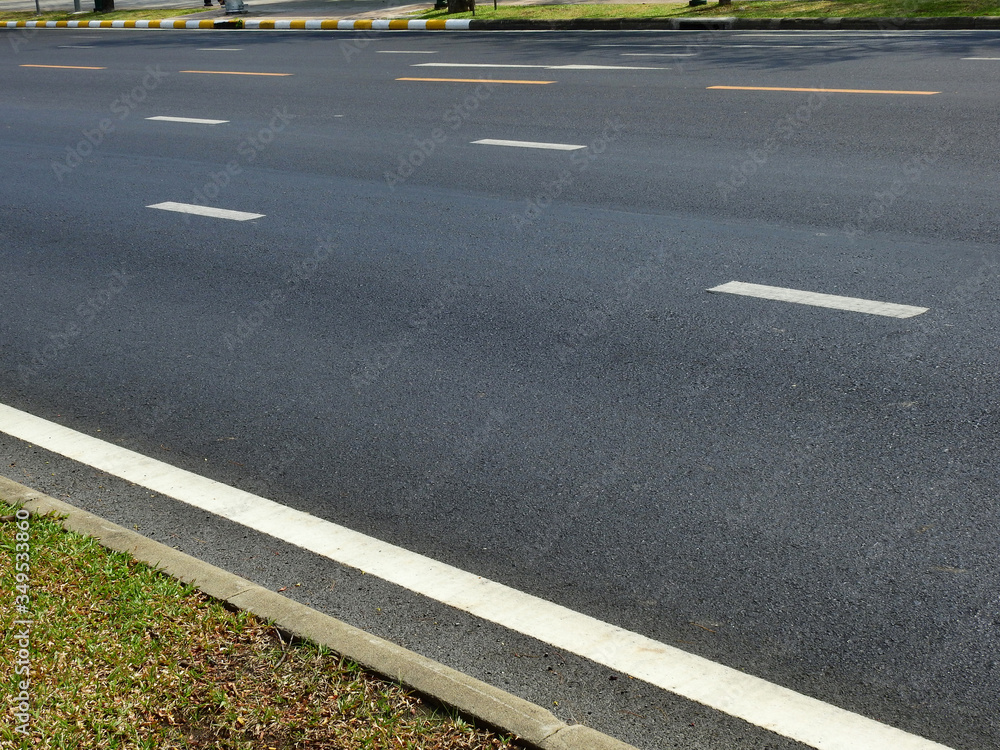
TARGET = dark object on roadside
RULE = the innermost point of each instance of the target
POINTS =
(104, 6)
(693, 3)
(725, 2)
(462, 6)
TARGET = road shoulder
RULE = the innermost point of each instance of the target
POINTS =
(535, 726)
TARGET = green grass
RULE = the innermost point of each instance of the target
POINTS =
(750, 9)
(853, 8)
(740, 9)
(125, 658)
(115, 15)
(484, 11)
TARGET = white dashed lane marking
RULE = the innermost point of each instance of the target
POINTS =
(888, 309)
(193, 120)
(529, 144)
(216, 213)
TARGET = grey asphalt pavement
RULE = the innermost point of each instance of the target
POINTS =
(506, 358)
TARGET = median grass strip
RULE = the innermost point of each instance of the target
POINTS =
(749, 9)
(851, 9)
(152, 14)
(485, 12)
(123, 657)
(563, 11)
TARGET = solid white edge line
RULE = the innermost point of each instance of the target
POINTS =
(757, 701)
(981, 58)
(528, 144)
(217, 213)
(405, 52)
(193, 120)
(853, 304)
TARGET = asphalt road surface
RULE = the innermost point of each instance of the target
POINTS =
(505, 357)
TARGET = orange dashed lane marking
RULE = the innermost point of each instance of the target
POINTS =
(68, 67)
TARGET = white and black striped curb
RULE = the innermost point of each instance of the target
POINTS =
(575, 24)
(532, 725)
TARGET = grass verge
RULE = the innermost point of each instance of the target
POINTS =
(485, 12)
(152, 14)
(123, 657)
(748, 9)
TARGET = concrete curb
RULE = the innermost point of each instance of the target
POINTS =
(533, 725)
(577, 24)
